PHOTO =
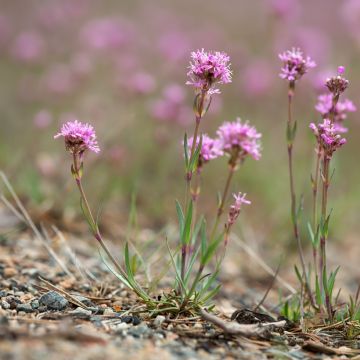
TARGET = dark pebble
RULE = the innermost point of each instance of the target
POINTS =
(136, 320)
(53, 301)
(25, 307)
(127, 319)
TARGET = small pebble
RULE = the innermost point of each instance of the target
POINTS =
(4, 304)
(9, 272)
(159, 320)
(35, 304)
(53, 301)
(81, 313)
(108, 311)
(25, 308)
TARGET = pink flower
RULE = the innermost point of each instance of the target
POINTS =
(28, 47)
(342, 108)
(210, 149)
(141, 83)
(337, 84)
(105, 34)
(295, 64)
(329, 140)
(240, 139)
(78, 137)
(235, 209)
(43, 119)
(207, 69)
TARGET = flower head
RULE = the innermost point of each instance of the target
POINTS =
(328, 138)
(78, 137)
(337, 84)
(207, 69)
(235, 209)
(239, 140)
(295, 64)
(339, 112)
(210, 149)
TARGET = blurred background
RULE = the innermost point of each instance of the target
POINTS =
(121, 66)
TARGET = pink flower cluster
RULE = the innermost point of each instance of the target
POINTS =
(339, 113)
(327, 136)
(208, 69)
(78, 137)
(337, 84)
(240, 139)
(295, 64)
(235, 209)
(210, 149)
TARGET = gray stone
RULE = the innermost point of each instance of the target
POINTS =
(159, 320)
(24, 307)
(84, 300)
(53, 301)
(4, 304)
(81, 313)
(140, 331)
(35, 304)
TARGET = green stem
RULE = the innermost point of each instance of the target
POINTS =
(293, 196)
(223, 200)
(94, 226)
(198, 118)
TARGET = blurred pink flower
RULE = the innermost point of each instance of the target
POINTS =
(257, 77)
(105, 34)
(240, 138)
(342, 108)
(208, 69)
(59, 80)
(81, 65)
(141, 83)
(285, 9)
(171, 107)
(295, 65)
(174, 93)
(43, 119)
(28, 47)
(174, 45)
(210, 149)
(78, 137)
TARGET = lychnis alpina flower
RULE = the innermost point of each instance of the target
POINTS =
(295, 64)
(78, 137)
(239, 140)
(210, 149)
(328, 138)
(207, 69)
(337, 84)
(235, 209)
(339, 112)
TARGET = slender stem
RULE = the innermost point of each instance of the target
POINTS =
(223, 200)
(315, 185)
(325, 187)
(96, 231)
(294, 218)
(315, 188)
(198, 117)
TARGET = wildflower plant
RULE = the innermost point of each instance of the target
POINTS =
(197, 247)
(329, 138)
(295, 66)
